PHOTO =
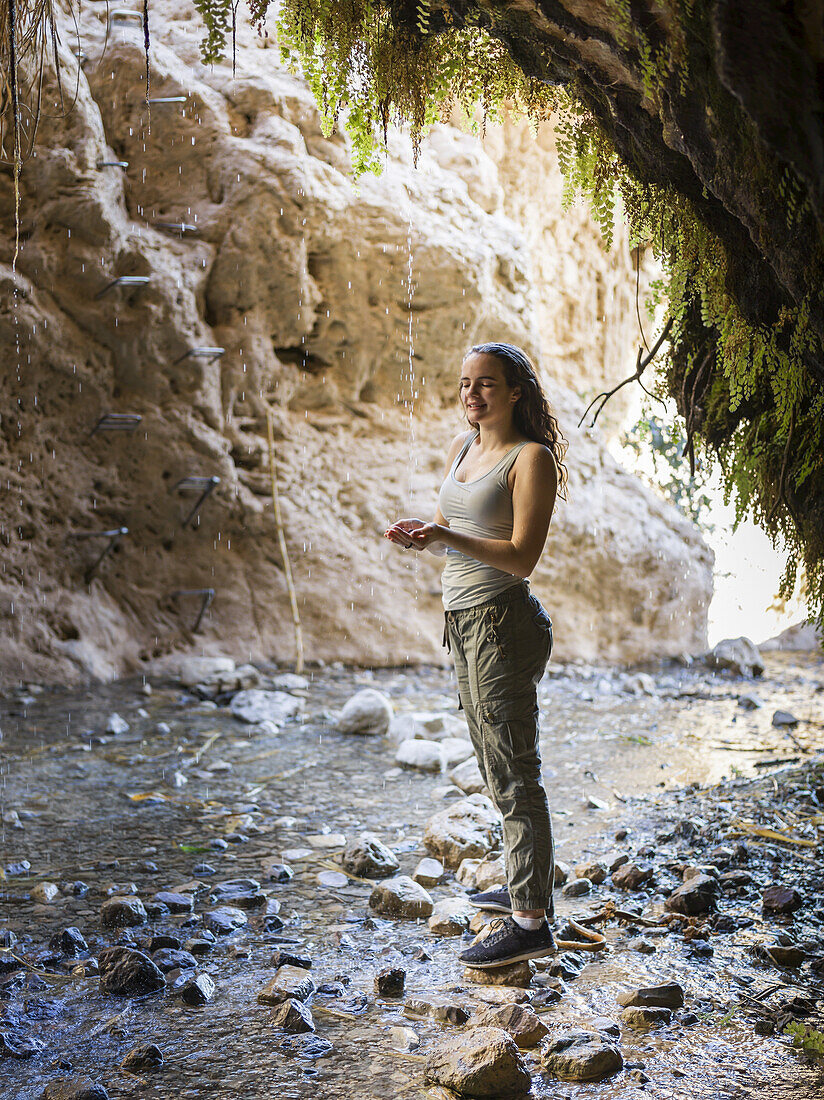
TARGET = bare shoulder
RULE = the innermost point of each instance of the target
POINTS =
(535, 464)
(458, 442)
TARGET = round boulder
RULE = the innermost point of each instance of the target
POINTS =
(400, 897)
(482, 1062)
(469, 828)
(367, 711)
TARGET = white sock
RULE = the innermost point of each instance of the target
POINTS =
(531, 924)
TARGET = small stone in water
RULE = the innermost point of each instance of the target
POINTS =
(641, 1016)
(368, 857)
(78, 1088)
(666, 995)
(784, 718)
(400, 897)
(781, 899)
(428, 873)
(293, 1016)
(579, 1055)
(197, 991)
(332, 878)
(404, 1038)
(390, 982)
(278, 872)
(204, 869)
(144, 1056)
(122, 911)
(21, 868)
(70, 941)
(45, 892)
(577, 888)
(481, 1062)
(115, 724)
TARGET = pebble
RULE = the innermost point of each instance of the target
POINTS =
(470, 828)
(593, 803)
(451, 917)
(390, 982)
(562, 872)
(791, 955)
(577, 888)
(254, 706)
(467, 777)
(224, 920)
(367, 711)
(143, 1057)
(404, 1038)
(290, 983)
(581, 1055)
(631, 876)
(400, 897)
(666, 995)
(115, 724)
(519, 974)
(428, 873)
(644, 947)
(45, 892)
(784, 718)
(596, 872)
(293, 1016)
(169, 958)
(197, 991)
(781, 899)
(122, 911)
(640, 1016)
(524, 1025)
(368, 857)
(175, 903)
(128, 973)
(484, 1061)
(70, 942)
(750, 701)
(277, 872)
(448, 1012)
(332, 879)
(695, 896)
(326, 841)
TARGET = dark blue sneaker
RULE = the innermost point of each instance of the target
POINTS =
(503, 942)
(497, 900)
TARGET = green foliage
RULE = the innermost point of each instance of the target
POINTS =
(744, 387)
(664, 440)
(808, 1038)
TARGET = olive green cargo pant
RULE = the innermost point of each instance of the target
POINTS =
(500, 649)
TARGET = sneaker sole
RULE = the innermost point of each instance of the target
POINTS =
(492, 907)
(541, 954)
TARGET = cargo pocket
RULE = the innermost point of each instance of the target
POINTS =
(511, 737)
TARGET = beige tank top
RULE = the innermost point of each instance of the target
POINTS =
(482, 508)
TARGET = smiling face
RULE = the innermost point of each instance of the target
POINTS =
(484, 393)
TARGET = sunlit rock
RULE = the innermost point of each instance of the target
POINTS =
(400, 897)
(368, 711)
(483, 1061)
(470, 828)
(265, 706)
(451, 917)
(423, 756)
(738, 655)
(467, 776)
(579, 1055)
(521, 1022)
(368, 857)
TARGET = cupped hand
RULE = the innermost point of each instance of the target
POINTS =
(400, 532)
(425, 534)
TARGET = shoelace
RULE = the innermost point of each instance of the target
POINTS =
(495, 929)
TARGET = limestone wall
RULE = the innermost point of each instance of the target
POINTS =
(346, 308)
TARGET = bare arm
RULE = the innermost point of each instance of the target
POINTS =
(533, 501)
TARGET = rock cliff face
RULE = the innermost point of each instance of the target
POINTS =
(346, 308)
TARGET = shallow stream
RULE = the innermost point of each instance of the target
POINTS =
(105, 809)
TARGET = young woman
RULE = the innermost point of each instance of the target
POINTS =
(493, 514)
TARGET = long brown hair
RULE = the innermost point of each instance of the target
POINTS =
(532, 414)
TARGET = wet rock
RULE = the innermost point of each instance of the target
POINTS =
(122, 911)
(256, 706)
(198, 946)
(790, 955)
(465, 874)
(242, 893)
(470, 828)
(733, 880)
(701, 949)
(596, 872)
(128, 973)
(224, 920)
(115, 724)
(567, 966)
(524, 1025)
(781, 899)
(70, 942)
(738, 655)
(437, 1008)
(518, 974)
(197, 991)
(326, 841)
(293, 1016)
(424, 756)
(467, 777)
(577, 888)
(580, 1055)
(451, 917)
(390, 982)
(290, 983)
(13, 1044)
(640, 683)
(278, 872)
(428, 873)
(562, 872)
(167, 958)
(334, 879)
(691, 872)
(45, 893)
(175, 903)
(481, 1062)
(367, 711)
(593, 803)
(282, 957)
(608, 1026)
(641, 1016)
(632, 876)
(784, 718)
(490, 872)
(78, 1088)
(400, 897)
(404, 1038)
(368, 857)
(203, 670)
(76, 889)
(642, 946)
(666, 995)
(21, 867)
(142, 1058)
(750, 701)
(695, 896)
